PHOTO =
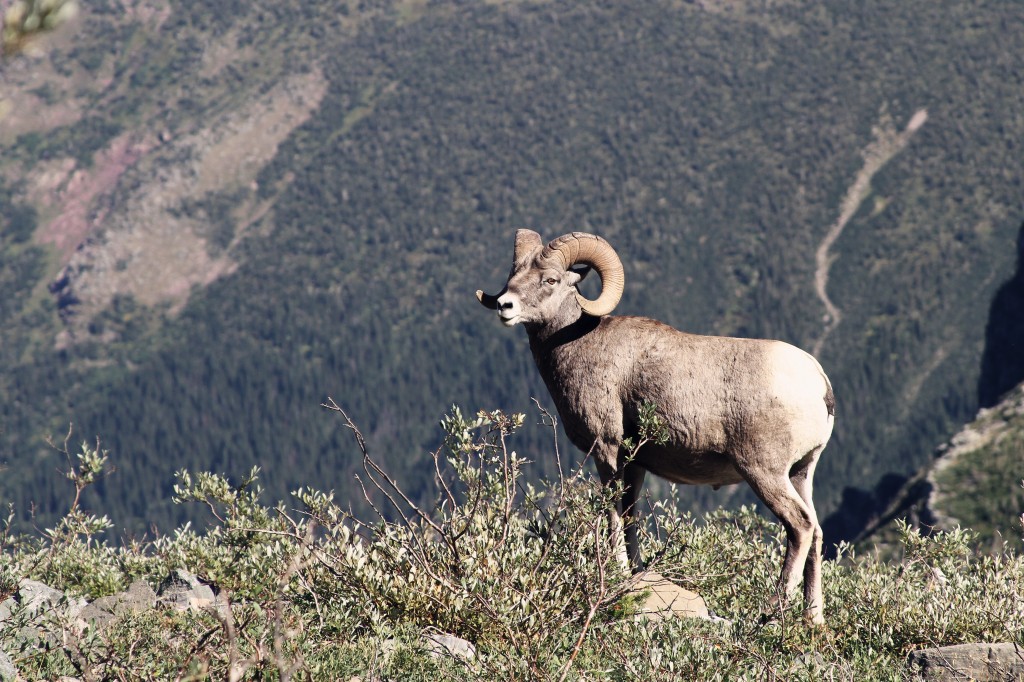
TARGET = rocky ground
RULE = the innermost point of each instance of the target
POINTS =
(45, 617)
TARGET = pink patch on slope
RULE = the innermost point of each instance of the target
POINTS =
(75, 219)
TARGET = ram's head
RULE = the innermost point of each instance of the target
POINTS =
(543, 278)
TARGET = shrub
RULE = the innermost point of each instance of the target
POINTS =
(524, 572)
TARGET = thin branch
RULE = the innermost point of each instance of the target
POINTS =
(294, 566)
(594, 604)
(436, 454)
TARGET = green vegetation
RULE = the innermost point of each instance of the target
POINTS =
(994, 499)
(711, 148)
(24, 20)
(305, 591)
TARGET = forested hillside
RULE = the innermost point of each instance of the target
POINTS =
(215, 216)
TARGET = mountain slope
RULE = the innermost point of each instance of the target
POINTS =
(255, 206)
(975, 481)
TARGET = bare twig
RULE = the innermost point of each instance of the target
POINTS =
(298, 561)
(225, 616)
(554, 440)
(436, 454)
(594, 603)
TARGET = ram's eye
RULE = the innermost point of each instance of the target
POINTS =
(552, 281)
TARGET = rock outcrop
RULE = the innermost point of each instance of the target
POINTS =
(664, 599)
(980, 662)
(44, 616)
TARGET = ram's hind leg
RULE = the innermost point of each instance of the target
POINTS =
(802, 478)
(777, 492)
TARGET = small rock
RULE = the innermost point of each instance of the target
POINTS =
(667, 600)
(138, 597)
(182, 590)
(441, 644)
(98, 617)
(37, 598)
(980, 662)
(5, 608)
(8, 673)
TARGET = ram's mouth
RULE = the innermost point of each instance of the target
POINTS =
(509, 321)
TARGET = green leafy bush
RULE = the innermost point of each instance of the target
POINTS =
(525, 573)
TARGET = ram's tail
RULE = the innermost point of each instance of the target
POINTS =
(830, 397)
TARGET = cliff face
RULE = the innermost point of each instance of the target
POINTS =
(1002, 363)
(976, 480)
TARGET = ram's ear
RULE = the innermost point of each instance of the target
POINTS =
(580, 271)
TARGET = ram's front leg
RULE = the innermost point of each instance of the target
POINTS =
(632, 484)
(622, 528)
(616, 533)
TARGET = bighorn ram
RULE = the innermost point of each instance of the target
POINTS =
(735, 409)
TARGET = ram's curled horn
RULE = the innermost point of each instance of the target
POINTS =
(489, 300)
(580, 247)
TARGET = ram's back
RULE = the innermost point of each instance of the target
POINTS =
(719, 397)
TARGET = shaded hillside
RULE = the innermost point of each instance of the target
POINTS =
(976, 479)
(1002, 363)
(251, 208)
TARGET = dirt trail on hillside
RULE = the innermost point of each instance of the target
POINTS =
(886, 144)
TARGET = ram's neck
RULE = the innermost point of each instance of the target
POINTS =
(565, 319)
(552, 343)
(557, 334)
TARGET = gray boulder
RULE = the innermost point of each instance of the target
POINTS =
(182, 591)
(138, 597)
(8, 673)
(442, 644)
(982, 662)
(6, 606)
(39, 598)
(40, 612)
